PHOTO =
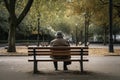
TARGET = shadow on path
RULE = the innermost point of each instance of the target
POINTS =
(72, 75)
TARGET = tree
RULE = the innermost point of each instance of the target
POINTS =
(14, 20)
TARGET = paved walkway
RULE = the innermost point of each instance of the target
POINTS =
(98, 68)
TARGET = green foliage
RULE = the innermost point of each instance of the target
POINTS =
(62, 27)
(63, 15)
(57, 13)
(3, 18)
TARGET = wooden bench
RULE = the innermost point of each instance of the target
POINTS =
(41, 54)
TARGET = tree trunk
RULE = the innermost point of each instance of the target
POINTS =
(11, 37)
(105, 37)
(14, 21)
(115, 38)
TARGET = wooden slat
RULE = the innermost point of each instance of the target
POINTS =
(48, 54)
(63, 47)
(55, 51)
(84, 60)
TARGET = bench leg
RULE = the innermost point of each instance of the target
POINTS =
(35, 67)
(55, 65)
(81, 66)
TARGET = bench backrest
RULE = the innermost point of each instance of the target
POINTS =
(58, 50)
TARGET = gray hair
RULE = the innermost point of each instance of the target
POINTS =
(59, 34)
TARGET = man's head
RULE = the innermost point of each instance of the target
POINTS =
(59, 34)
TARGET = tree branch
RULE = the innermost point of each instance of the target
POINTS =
(7, 5)
(103, 2)
(117, 7)
(25, 11)
(12, 10)
(12, 6)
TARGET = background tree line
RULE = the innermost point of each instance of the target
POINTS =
(69, 16)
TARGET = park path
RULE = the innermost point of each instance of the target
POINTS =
(98, 68)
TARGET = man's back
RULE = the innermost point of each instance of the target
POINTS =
(59, 42)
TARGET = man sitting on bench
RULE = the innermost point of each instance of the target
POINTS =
(60, 41)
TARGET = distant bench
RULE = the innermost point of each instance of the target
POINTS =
(42, 54)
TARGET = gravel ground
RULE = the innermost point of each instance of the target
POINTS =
(98, 68)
